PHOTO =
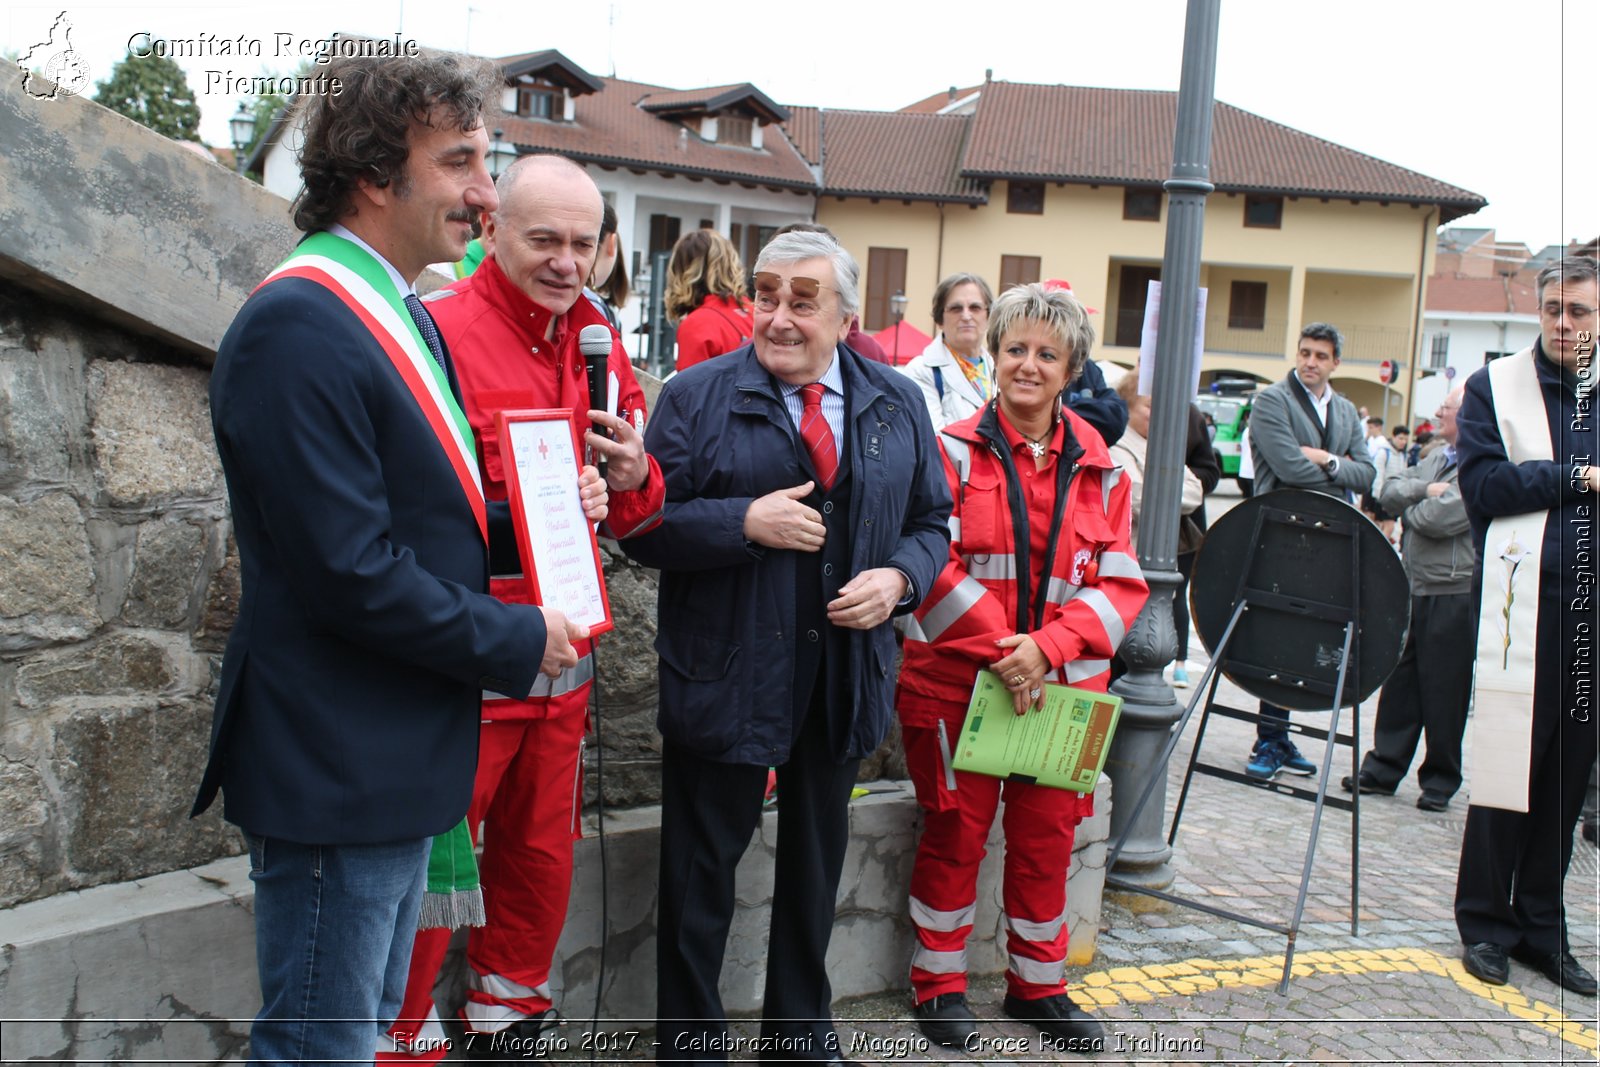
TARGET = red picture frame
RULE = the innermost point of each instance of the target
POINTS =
(548, 531)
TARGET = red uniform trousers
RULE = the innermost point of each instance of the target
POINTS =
(1039, 825)
(527, 796)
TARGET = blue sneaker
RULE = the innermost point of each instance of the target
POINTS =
(1180, 676)
(1266, 760)
(1295, 763)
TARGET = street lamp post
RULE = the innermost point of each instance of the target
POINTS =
(1149, 708)
(240, 127)
(501, 154)
(897, 303)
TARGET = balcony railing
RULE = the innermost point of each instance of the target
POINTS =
(1364, 343)
(1269, 340)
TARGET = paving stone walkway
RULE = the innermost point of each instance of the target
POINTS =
(1177, 985)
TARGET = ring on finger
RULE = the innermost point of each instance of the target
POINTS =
(1033, 693)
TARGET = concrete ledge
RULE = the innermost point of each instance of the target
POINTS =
(100, 212)
(164, 968)
(159, 969)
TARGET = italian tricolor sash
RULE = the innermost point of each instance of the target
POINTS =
(362, 283)
(1508, 612)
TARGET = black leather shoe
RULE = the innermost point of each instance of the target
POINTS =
(1431, 801)
(946, 1020)
(1560, 967)
(528, 1040)
(1589, 833)
(1367, 786)
(1068, 1026)
(1486, 961)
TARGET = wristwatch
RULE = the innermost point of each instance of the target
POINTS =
(1332, 466)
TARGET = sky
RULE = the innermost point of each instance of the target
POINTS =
(1496, 98)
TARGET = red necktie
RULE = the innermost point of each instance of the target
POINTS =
(818, 436)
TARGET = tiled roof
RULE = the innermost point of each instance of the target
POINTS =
(893, 154)
(1072, 133)
(802, 128)
(1449, 292)
(930, 105)
(612, 129)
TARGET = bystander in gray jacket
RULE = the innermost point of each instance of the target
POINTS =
(1437, 539)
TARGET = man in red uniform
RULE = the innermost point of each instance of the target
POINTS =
(512, 327)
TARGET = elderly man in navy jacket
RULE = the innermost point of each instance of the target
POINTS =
(806, 504)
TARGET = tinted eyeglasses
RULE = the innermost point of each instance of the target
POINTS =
(974, 309)
(802, 290)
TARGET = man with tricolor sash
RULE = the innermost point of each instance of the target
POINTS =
(513, 328)
(346, 723)
(1527, 444)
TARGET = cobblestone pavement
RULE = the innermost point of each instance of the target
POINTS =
(1177, 985)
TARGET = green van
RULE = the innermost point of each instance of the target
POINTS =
(1228, 405)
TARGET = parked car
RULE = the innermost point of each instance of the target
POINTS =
(1228, 405)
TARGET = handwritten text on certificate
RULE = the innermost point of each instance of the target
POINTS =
(558, 533)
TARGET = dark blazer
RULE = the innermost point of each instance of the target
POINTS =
(1092, 400)
(349, 701)
(727, 608)
(1492, 485)
(1280, 423)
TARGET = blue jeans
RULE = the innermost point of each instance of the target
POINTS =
(334, 926)
(1267, 730)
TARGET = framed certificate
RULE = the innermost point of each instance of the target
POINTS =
(560, 554)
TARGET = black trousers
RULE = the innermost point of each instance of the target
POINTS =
(709, 811)
(1180, 605)
(1427, 696)
(1513, 864)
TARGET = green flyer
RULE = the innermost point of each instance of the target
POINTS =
(1063, 744)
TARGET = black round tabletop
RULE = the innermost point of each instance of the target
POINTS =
(1306, 562)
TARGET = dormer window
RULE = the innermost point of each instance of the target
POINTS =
(735, 130)
(539, 102)
(730, 115)
(543, 85)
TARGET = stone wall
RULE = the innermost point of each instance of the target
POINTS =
(114, 602)
(122, 259)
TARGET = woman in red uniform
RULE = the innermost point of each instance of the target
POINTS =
(1041, 586)
(705, 297)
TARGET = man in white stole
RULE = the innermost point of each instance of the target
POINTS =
(1527, 446)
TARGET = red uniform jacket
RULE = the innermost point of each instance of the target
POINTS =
(497, 341)
(717, 326)
(1092, 592)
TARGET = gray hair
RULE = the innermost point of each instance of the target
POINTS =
(796, 245)
(1566, 270)
(946, 287)
(1322, 331)
(1061, 312)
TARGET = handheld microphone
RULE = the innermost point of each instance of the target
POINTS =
(595, 344)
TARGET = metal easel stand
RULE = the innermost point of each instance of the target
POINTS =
(1209, 681)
